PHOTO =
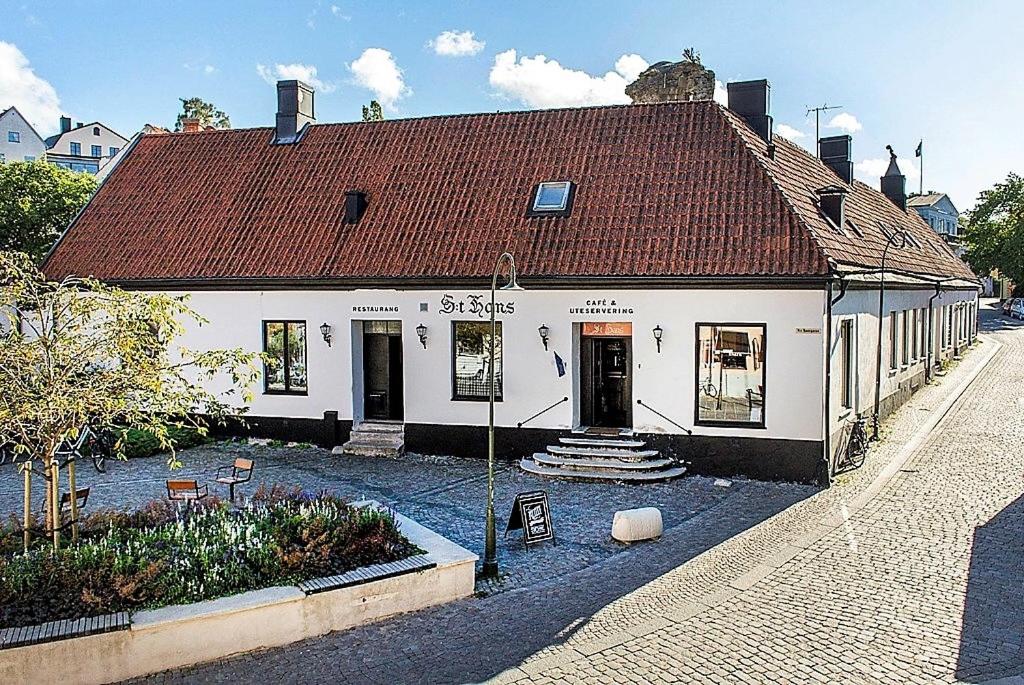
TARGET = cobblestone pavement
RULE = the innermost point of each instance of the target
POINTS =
(445, 494)
(904, 571)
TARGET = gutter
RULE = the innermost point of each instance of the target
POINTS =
(831, 302)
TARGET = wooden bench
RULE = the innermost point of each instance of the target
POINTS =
(81, 494)
(239, 472)
(186, 490)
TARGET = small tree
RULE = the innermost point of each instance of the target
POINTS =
(37, 201)
(78, 352)
(205, 112)
(994, 231)
(373, 112)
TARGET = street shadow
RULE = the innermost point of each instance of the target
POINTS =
(992, 633)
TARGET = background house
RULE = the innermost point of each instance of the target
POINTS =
(19, 141)
(86, 147)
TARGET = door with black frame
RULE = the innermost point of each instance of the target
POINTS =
(382, 371)
(606, 382)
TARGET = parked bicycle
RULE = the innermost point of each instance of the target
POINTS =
(853, 446)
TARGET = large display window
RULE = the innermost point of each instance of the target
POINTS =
(471, 359)
(730, 375)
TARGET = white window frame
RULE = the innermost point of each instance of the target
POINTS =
(567, 188)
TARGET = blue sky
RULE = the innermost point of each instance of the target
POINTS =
(949, 72)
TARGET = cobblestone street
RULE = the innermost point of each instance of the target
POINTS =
(908, 570)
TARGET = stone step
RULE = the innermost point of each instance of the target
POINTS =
(380, 427)
(375, 438)
(574, 463)
(601, 442)
(603, 432)
(611, 453)
(606, 475)
(369, 450)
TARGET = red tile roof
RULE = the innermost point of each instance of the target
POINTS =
(666, 190)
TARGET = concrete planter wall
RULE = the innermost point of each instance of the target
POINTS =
(178, 636)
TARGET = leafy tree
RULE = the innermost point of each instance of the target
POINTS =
(37, 201)
(79, 352)
(206, 113)
(373, 112)
(994, 232)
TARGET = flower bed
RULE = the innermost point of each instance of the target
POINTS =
(165, 554)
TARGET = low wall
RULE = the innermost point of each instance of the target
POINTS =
(173, 637)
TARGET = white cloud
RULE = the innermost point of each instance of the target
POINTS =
(34, 97)
(377, 71)
(870, 170)
(340, 13)
(541, 82)
(209, 69)
(721, 95)
(788, 132)
(845, 122)
(456, 44)
(303, 72)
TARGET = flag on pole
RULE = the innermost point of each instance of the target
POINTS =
(918, 151)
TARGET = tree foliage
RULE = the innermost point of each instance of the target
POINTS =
(373, 112)
(994, 231)
(37, 202)
(205, 112)
(79, 352)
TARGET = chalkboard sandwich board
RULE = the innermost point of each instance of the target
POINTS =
(531, 513)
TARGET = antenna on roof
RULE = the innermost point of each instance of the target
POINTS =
(817, 123)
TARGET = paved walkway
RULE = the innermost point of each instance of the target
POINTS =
(909, 570)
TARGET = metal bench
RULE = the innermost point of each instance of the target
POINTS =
(236, 474)
(186, 490)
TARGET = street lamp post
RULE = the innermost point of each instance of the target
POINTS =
(902, 235)
(490, 569)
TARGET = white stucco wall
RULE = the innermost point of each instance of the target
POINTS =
(861, 305)
(666, 381)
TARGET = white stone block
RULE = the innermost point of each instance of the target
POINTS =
(633, 525)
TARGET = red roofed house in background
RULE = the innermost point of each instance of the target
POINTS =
(684, 270)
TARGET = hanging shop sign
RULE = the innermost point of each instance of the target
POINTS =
(374, 309)
(530, 512)
(607, 306)
(476, 305)
(613, 329)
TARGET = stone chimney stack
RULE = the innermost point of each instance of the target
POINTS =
(673, 82)
(894, 183)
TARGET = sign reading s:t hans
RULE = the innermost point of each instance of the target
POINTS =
(475, 305)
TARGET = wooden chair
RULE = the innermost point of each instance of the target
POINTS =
(186, 490)
(236, 474)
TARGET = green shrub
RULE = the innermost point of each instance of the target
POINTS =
(140, 443)
(164, 554)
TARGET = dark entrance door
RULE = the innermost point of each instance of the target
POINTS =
(382, 370)
(606, 385)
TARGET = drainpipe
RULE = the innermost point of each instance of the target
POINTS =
(830, 302)
(931, 332)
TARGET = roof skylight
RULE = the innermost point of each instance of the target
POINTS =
(552, 196)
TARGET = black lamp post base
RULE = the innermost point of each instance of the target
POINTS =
(490, 569)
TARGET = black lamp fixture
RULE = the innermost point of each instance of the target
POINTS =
(544, 330)
(325, 330)
(421, 331)
(658, 332)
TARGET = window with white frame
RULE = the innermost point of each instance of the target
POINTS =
(913, 334)
(893, 330)
(904, 339)
(552, 197)
(846, 358)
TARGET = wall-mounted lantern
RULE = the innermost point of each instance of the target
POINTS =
(421, 331)
(544, 330)
(325, 330)
(658, 332)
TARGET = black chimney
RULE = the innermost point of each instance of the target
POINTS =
(65, 124)
(752, 101)
(894, 183)
(837, 154)
(294, 111)
(355, 205)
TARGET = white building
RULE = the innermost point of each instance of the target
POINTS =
(84, 147)
(19, 141)
(691, 272)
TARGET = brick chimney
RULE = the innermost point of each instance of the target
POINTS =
(190, 126)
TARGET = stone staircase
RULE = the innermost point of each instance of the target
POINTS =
(375, 439)
(621, 458)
